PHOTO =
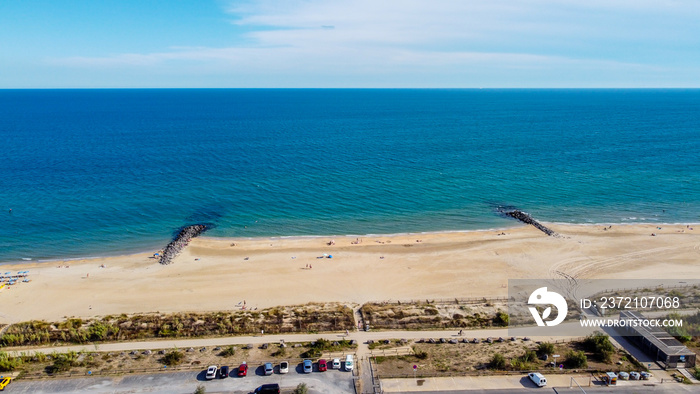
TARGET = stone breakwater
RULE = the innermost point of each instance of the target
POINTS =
(182, 239)
(527, 219)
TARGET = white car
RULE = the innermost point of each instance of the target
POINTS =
(623, 375)
(634, 375)
(336, 363)
(211, 372)
(348, 362)
(538, 379)
(284, 367)
(646, 375)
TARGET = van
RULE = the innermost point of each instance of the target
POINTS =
(348, 362)
(538, 379)
(268, 389)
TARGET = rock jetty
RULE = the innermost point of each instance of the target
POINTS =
(527, 219)
(182, 239)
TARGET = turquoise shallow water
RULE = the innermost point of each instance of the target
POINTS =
(100, 172)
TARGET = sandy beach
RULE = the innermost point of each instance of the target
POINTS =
(216, 274)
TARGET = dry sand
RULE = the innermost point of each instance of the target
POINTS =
(212, 275)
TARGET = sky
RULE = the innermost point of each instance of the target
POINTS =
(349, 44)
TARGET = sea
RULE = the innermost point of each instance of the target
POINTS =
(86, 173)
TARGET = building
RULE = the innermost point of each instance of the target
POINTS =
(656, 342)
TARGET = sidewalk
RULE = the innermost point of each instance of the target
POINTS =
(361, 337)
(503, 383)
(477, 383)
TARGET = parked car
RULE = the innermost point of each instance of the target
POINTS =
(623, 375)
(348, 362)
(634, 376)
(4, 382)
(269, 369)
(645, 375)
(308, 366)
(211, 372)
(336, 363)
(322, 365)
(223, 372)
(273, 388)
(538, 379)
(284, 367)
(243, 369)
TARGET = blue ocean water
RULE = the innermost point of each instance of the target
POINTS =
(100, 172)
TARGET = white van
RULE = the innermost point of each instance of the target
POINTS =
(348, 362)
(538, 379)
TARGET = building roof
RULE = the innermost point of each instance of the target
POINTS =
(656, 335)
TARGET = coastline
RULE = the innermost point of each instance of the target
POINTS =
(27, 263)
(212, 275)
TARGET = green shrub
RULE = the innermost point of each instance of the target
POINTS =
(323, 345)
(230, 351)
(529, 356)
(200, 390)
(497, 362)
(63, 362)
(421, 355)
(600, 345)
(301, 389)
(8, 363)
(173, 357)
(545, 348)
(576, 359)
(501, 319)
(281, 352)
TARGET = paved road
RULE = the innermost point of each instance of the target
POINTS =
(669, 389)
(331, 382)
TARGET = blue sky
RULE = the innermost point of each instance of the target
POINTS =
(336, 43)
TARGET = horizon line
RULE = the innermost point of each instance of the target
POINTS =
(354, 88)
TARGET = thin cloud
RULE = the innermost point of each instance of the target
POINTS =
(416, 38)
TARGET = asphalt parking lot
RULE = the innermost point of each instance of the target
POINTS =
(329, 382)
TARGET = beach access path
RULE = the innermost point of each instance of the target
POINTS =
(360, 336)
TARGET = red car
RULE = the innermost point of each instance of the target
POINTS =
(243, 369)
(322, 366)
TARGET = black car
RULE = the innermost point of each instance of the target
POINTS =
(273, 388)
(223, 372)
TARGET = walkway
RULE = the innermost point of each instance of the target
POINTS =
(361, 337)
